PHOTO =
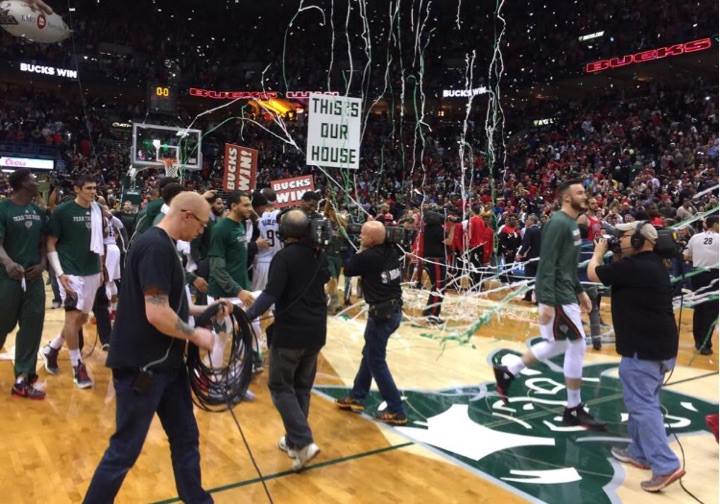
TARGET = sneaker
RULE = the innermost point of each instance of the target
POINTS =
(105, 347)
(435, 320)
(282, 444)
(305, 455)
(706, 351)
(659, 482)
(503, 380)
(578, 416)
(249, 396)
(712, 423)
(623, 455)
(81, 377)
(55, 305)
(257, 365)
(50, 355)
(392, 418)
(350, 404)
(25, 389)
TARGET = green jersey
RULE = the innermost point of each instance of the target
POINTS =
(556, 280)
(21, 230)
(70, 224)
(146, 217)
(229, 244)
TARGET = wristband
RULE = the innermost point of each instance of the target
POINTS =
(54, 261)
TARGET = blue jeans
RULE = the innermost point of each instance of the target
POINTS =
(374, 365)
(642, 381)
(169, 396)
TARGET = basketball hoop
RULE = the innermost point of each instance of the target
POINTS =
(171, 167)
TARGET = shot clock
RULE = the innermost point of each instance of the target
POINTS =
(161, 98)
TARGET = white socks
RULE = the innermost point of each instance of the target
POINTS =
(516, 367)
(75, 357)
(57, 342)
(217, 355)
(573, 397)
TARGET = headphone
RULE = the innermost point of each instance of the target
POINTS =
(299, 229)
(637, 240)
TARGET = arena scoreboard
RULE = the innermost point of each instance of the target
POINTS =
(161, 98)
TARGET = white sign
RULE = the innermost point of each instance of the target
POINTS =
(334, 131)
(48, 70)
(35, 164)
(463, 93)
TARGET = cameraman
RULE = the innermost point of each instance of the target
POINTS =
(296, 286)
(378, 265)
(647, 339)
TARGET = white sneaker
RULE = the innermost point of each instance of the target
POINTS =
(249, 396)
(305, 455)
(282, 444)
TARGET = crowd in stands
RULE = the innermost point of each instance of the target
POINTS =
(206, 48)
(648, 153)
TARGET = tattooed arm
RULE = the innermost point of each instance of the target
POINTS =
(164, 319)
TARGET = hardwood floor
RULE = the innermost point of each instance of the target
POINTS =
(53, 446)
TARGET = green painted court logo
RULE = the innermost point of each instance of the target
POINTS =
(524, 444)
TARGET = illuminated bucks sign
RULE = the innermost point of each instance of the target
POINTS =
(524, 444)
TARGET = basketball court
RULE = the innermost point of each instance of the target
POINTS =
(460, 445)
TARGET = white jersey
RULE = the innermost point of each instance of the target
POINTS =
(703, 249)
(268, 226)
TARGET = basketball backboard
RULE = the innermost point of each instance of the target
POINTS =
(153, 142)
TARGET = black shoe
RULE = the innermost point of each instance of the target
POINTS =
(578, 416)
(435, 320)
(597, 343)
(50, 357)
(503, 380)
(706, 351)
(257, 365)
(25, 389)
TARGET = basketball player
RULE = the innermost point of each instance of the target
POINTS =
(559, 295)
(147, 216)
(702, 250)
(73, 252)
(22, 261)
(228, 261)
(268, 227)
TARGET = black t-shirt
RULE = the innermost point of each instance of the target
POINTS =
(433, 237)
(152, 263)
(380, 270)
(296, 280)
(642, 310)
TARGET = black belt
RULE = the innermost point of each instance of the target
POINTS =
(384, 309)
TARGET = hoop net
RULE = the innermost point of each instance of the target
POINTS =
(171, 167)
